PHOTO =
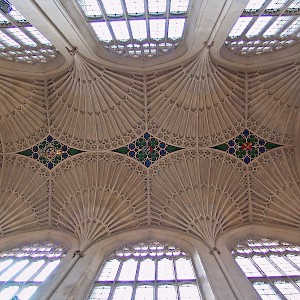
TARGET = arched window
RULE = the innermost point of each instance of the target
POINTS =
(22, 269)
(272, 266)
(147, 271)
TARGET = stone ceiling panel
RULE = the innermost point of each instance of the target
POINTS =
(202, 192)
(275, 188)
(24, 198)
(196, 104)
(93, 108)
(98, 194)
(23, 116)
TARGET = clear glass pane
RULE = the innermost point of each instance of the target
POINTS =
(109, 271)
(284, 265)
(102, 31)
(292, 29)
(147, 270)
(266, 266)
(176, 27)
(247, 266)
(258, 26)
(5, 263)
(8, 41)
(254, 5)
(113, 7)
(120, 30)
(17, 16)
(100, 293)
(128, 270)
(38, 36)
(144, 292)
(265, 291)
(288, 290)
(122, 293)
(240, 26)
(157, 6)
(139, 30)
(165, 269)
(13, 270)
(135, 7)
(276, 26)
(30, 270)
(8, 292)
(166, 292)
(276, 4)
(184, 269)
(90, 7)
(189, 292)
(179, 6)
(157, 28)
(27, 292)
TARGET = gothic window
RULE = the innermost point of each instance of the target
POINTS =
(21, 42)
(137, 28)
(273, 267)
(22, 269)
(265, 26)
(147, 271)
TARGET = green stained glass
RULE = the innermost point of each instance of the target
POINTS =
(50, 152)
(246, 146)
(147, 149)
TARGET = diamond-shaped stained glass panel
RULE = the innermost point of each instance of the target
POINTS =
(50, 152)
(147, 149)
(246, 146)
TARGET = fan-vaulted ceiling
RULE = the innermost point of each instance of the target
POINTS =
(192, 102)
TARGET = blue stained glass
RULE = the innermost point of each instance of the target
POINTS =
(231, 143)
(64, 155)
(262, 149)
(49, 139)
(246, 132)
(35, 148)
(146, 135)
(247, 159)
(147, 163)
(132, 153)
(35, 155)
(261, 142)
(162, 145)
(231, 150)
(50, 165)
(64, 148)
(131, 146)
(163, 152)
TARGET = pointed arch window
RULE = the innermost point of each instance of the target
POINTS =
(137, 28)
(23, 269)
(272, 266)
(147, 271)
(265, 26)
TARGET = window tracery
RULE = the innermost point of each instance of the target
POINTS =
(21, 42)
(137, 28)
(273, 267)
(22, 269)
(265, 26)
(147, 270)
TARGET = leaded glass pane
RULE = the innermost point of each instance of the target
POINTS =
(265, 26)
(22, 269)
(273, 267)
(137, 29)
(21, 42)
(147, 271)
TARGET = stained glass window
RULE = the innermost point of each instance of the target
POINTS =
(147, 149)
(50, 152)
(147, 271)
(24, 268)
(135, 28)
(246, 146)
(21, 42)
(265, 26)
(273, 267)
